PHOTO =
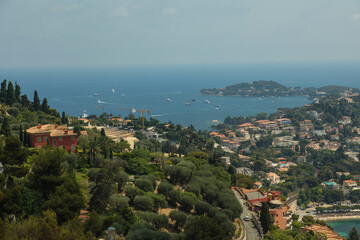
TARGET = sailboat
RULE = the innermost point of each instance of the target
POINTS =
(113, 90)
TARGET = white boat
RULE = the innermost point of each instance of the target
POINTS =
(123, 95)
(187, 104)
(96, 94)
(98, 101)
(218, 106)
(169, 100)
(207, 101)
(84, 115)
(113, 90)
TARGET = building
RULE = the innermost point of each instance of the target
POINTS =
(255, 197)
(279, 212)
(273, 178)
(349, 183)
(53, 135)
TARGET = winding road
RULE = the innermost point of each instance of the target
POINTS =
(251, 232)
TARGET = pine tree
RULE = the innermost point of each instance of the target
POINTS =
(265, 218)
(45, 106)
(36, 101)
(5, 129)
(17, 92)
(21, 134)
(10, 94)
(3, 91)
(354, 234)
(102, 132)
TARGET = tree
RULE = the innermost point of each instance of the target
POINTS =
(3, 91)
(354, 234)
(17, 92)
(36, 103)
(21, 134)
(64, 119)
(10, 94)
(179, 217)
(67, 200)
(103, 132)
(187, 203)
(265, 218)
(144, 184)
(5, 128)
(143, 203)
(13, 157)
(46, 171)
(204, 228)
(25, 101)
(44, 106)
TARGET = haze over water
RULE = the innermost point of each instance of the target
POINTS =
(71, 89)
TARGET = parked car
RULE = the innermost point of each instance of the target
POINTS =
(246, 218)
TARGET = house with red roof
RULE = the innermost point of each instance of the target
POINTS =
(53, 135)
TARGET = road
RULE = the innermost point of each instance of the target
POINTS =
(251, 232)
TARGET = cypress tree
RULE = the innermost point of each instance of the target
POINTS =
(111, 154)
(36, 101)
(10, 94)
(265, 218)
(25, 138)
(64, 119)
(25, 101)
(102, 132)
(105, 153)
(45, 106)
(354, 234)
(3, 91)
(17, 92)
(5, 129)
(21, 134)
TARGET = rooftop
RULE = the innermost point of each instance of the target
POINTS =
(52, 129)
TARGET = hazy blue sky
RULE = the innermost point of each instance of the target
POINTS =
(117, 32)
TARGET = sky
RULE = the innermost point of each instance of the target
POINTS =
(69, 33)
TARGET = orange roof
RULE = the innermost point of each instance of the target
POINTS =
(214, 133)
(52, 130)
(83, 119)
(349, 181)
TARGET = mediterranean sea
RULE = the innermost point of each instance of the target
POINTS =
(343, 227)
(165, 90)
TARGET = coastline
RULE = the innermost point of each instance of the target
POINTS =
(338, 217)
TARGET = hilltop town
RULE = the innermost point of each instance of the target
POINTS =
(257, 177)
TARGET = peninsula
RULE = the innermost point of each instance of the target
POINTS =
(265, 88)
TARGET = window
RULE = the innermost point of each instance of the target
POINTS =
(60, 139)
(73, 138)
(72, 147)
(54, 142)
(45, 139)
(39, 139)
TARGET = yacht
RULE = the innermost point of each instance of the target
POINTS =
(207, 101)
(187, 104)
(169, 100)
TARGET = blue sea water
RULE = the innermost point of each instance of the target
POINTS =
(343, 227)
(145, 87)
